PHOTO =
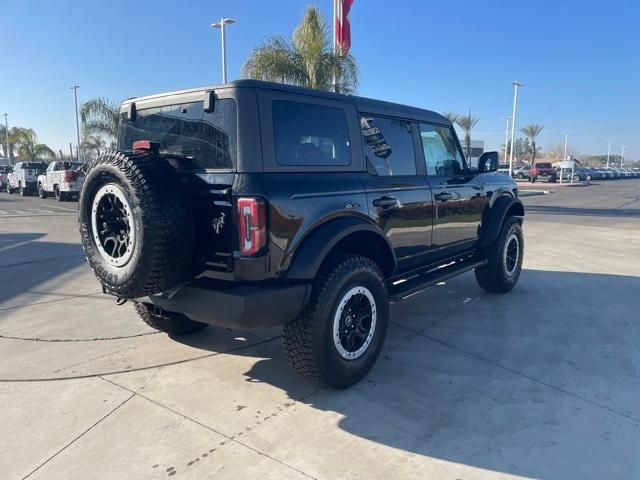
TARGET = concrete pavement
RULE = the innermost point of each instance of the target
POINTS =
(543, 382)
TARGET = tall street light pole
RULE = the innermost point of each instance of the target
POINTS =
(506, 138)
(223, 21)
(622, 147)
(516, 85)
(6, 125)
(566, 140)
(75, 88)
(610, 140)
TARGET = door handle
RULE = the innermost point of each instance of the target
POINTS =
(443, 196)
(385, 202)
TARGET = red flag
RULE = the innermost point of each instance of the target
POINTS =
(341, 25)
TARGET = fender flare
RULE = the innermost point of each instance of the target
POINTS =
(309, 255)
(493, 217)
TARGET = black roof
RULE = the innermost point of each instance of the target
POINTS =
(363, 104)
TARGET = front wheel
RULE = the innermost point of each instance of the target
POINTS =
(41, 191)
(504, 259)
(22, 191)
(338, 337)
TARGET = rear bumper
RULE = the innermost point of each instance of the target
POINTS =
(235, 306)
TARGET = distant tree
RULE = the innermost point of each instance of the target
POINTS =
(30, 149)
(531, 132)
(451, 116)
(523, 150)
(466, 123)
(557, 152)
(100, 117)
(306, 59)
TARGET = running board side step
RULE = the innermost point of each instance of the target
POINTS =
(416, 283)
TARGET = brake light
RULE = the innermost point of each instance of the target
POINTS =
(252, 225)
(146, 145)
(69, 176)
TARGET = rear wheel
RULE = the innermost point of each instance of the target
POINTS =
(337, 339)
(22, 190)
(41, 191)
(504, 259)
(60, 196)
(169, 322)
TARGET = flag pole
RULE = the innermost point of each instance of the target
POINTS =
(334, 46)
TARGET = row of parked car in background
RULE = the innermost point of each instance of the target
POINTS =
(546, 171)
(61, 179)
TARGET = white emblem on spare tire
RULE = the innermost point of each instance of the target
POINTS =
(112, 225)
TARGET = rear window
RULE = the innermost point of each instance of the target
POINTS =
(34, 166)
(310, 135)
(203, 140)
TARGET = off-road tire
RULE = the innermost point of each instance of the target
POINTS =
(308, 339)
(169, 322)
(161, 216)
(493, 277)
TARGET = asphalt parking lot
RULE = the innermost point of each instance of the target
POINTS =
(543, 382)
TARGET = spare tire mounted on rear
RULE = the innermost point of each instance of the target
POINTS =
(136, 225)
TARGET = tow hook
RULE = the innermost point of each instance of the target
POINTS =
(121, 301)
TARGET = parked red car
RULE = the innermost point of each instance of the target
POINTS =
(543, 170)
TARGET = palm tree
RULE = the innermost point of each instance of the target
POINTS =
(451, 116)
(93, 144)
(100, 117)
(306, 59)
(531, 132)
(466, 123)
(16, 136)
(30, 149)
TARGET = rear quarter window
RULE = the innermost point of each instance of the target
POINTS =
(202, 140)
(310, 135)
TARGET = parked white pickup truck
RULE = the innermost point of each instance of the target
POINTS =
(61, 179)
(24, 177)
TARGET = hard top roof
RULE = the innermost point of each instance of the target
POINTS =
(363, 104)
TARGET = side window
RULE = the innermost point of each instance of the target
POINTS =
(306, 134)
(388, 145)
(51, 167)
(441, 153)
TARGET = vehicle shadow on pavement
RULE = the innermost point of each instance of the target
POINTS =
(541, 382)
(26, 262)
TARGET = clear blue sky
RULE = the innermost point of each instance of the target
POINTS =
(579, 60)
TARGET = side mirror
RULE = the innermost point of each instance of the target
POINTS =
(488, 162)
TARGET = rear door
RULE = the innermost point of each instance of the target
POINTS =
(398, 193)
(458, 195)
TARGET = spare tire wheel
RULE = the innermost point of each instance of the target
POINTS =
(136, 224)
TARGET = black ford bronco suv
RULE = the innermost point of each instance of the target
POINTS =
(256, 204)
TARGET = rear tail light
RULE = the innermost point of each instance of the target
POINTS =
(252, 225)
(69, 176)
